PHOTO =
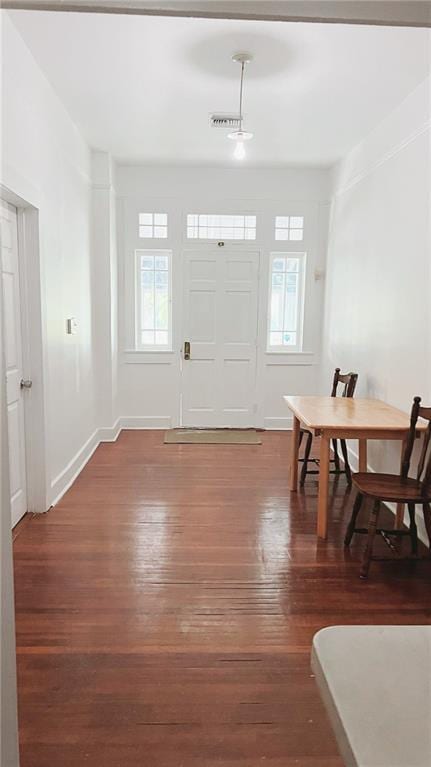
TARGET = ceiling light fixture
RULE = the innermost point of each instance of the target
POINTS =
(240, 135)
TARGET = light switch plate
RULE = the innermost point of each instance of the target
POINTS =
(71, 326)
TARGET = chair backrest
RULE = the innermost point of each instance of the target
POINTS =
(424, 464)
(348, 379)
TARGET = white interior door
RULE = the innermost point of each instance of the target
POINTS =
(220, 322)
(13, 358)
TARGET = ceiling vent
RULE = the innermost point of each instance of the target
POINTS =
(231, 122)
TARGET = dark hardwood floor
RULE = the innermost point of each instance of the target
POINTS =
(166, 608)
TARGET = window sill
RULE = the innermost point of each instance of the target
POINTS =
(289, 351)
(148, 357)
(148, 351)
(299, 358)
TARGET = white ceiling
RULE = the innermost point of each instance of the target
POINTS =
(143, 87)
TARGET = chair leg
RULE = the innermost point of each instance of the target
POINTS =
(413, 529)
(336, 456)
(352, 524)
(346, 461)
(427, 519)
(372, 526)
(306, 457)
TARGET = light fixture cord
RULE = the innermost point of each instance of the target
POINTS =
(240, 94)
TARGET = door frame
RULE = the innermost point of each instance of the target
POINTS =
(32, 316)
(245, 246)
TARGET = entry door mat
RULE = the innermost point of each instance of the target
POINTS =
(212, 437)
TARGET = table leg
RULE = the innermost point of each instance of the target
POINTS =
(322, 503)
(363, 460)
(399, 515)
(293, 478)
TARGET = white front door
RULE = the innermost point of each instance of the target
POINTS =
(13, 359)
(220, 323)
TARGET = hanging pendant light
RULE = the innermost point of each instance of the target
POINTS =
(240, 135)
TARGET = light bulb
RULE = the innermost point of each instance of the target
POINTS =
(239, 152)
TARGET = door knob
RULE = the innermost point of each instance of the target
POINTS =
(25, 383)
(186, 350)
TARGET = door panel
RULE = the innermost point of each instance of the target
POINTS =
(13, 358)
(220, 312)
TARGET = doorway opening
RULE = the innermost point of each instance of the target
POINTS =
(22, 329)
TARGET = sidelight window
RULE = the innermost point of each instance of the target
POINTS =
(153, 299)
(286, 301)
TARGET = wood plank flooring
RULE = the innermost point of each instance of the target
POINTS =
(166, 608)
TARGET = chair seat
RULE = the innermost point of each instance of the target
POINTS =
(389, 487)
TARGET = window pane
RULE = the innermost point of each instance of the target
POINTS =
(147, 262)
(296, 234)
(289, 227)
(289, 339)
(277, 302)
(276, 339)
(147, 337)
(147, 279)
(146, 218)
(161, 219)
(161, 262)
(290, 302)
(296, 222)
(162, 319)
(278, 265)
(153, 225)
(215, 227)
(147, 308)
(293, 264)
(161, 337)
(145, 231)
(282, 222)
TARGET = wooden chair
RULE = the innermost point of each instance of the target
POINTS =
(349, 380)
(394, 488)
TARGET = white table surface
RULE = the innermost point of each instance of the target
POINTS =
(375, 682)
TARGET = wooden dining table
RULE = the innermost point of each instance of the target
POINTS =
(343, 418)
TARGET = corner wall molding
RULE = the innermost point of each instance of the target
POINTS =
(426, 126)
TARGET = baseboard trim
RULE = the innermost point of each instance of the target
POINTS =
(66, 478)
(63, 481)
(281, 423)
(110, 433)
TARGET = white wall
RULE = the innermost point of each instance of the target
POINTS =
(149, 385)
(378, 281)
(47, 163)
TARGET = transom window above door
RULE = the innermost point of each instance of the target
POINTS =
(153, 300)
(289, 228)
(286, 301)
(153, 225)
(205, 226)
